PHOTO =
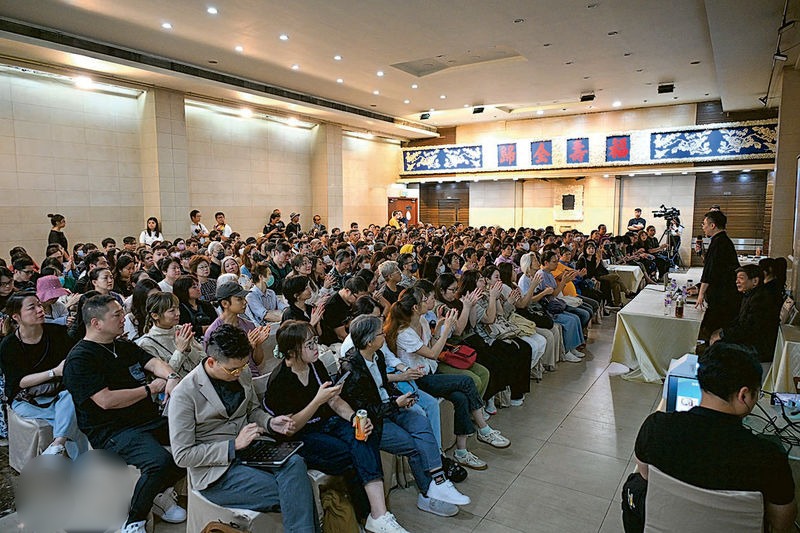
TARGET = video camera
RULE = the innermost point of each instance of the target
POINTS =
(668, 213)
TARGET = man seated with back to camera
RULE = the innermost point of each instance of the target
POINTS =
(213, 414)
(708, 447)
(758, 320)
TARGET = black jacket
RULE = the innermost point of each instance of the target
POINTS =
(360, 391)
(756, 324)
(719, 271)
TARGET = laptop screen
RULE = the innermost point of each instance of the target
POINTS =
(683, 393)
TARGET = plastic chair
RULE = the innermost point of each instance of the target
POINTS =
(27, 438)
(673, 505)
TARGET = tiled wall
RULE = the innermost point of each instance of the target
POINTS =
(246, 167)
(492, 203)
(68, 151)
(598, 203)
(369, 168)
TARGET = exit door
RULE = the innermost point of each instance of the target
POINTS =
(407, 206)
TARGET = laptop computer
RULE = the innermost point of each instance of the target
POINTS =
(268, 453)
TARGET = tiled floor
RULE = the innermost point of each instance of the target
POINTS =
(572, 445)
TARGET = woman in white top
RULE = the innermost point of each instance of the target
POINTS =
(165, 339)
(409, 336)
(263, 305)
(152, 233)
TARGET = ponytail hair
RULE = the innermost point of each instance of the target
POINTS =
(400, 315)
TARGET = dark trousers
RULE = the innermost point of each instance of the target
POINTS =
(458, 389)
(143, 447)
(717, 315)
(634, 493)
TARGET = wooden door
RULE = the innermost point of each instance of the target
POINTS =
(447, 212)
(404, 205)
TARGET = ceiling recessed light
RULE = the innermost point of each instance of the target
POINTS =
(376, 92)
(83, 82)
(414, 86)
(339, 80)
(639, 70)
(519, 21)
(631, 174)
(616, 103)
(406, 101)
(475, 180)
(547, 44)
(715, 171)
(645, 101)
(746, 170)
(166, 25)
(379, 73)
(442, 96)
(569, 62)
(466, 105)
(657, 173)
(605, 175)
(337, 58)
(540, 111)
(246, 112)
(563, 109)
(212, 10)
(626, 54)
(587, 77)
(295, 67)
(239, 49)
(592, 6)
(283, 37)
(431, 110)
(684, 173)
(212, 61)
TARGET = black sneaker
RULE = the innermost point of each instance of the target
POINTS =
(454, 471)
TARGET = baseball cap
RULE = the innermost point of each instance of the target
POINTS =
(229, 290)
(294, 215)
(48, 287)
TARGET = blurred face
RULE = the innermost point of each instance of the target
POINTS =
(197, 217)
(345, 265)
(127, 271)
(31, 313)
(194, 291)
(305, 295)
(455, 263)
(231, 267)
(429, 302)
(104, 282)
(708, 227)
(651, 232)
(495, 277)
(6, 286)
(481, 283)
(449, 294)
(203, 270)
(173, 272)
(507, 251)
(168, 318)
(552, 264)
(305, 267)
(238, 305)
(320, 270)
(159, 254)
(744, 284)
(590, 250)
(220, 219)
(24, 274)
(317, 220)
(148, 261)
(566, 256)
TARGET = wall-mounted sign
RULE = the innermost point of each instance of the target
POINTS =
(507, 155)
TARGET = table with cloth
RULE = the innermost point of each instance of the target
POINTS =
(630, 275)
(645, 340)
(786, 364)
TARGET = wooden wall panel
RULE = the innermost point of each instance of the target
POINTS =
(446, 136)
(439, 202)
(712, 113)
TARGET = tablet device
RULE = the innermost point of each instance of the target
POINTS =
(267, 453)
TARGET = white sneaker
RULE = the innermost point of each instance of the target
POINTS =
(470, 460)
(517, 403)
(447, 492)
(437, 507)
(490, 408)
(569, 358)
(134, 527)
(485, 413)
(578, 354)
(494, 438)
(165, 506)
(385, 524)
(55, 449)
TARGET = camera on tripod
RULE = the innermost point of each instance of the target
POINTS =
(667, 213)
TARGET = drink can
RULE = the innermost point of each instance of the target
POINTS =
(361, 420)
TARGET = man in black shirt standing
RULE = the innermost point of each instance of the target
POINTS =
(708, 447)
(718, 282)
(115, 409)
(637, 223)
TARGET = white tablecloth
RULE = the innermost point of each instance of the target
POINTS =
(645, 340)
(786, 364)
(630, 275)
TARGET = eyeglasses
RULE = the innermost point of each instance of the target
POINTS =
(27, 272)
(451, 289)
(312, 343)
(236, 371)
(6, 283)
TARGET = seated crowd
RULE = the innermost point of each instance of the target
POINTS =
(158, 343)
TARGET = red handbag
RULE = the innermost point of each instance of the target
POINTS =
(459, 356)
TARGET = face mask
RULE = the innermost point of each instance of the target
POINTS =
(526, 246)
(81, 254)
(366, 266)
(440, 269)
(414, 267)
(220, 255)
(181, 247)
(487, 245)
(270, 281)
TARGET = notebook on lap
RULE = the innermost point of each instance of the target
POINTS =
(268, 453)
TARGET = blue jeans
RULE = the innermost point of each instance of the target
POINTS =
(60, 415)
(286, 489)
(572, 332)
(409, 434)
(332, 448)
(143, 447)
(458, 389)
(581, 313)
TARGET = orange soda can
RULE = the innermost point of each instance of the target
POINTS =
(361, 420)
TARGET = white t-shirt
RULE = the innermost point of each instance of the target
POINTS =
(144, 238)
(196, 229)
(164, 286)
(408, 342)
(372, 366)
(388, 356)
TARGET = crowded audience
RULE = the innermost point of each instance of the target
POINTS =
(96, 340)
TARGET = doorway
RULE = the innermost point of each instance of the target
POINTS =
(406, 206)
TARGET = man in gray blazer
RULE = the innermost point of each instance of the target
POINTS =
(213, 413)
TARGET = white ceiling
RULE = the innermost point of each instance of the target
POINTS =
(562, 48)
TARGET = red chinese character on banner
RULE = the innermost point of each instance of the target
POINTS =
(508, 154)
(541, 155)
(619, 148)
(578, 152)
